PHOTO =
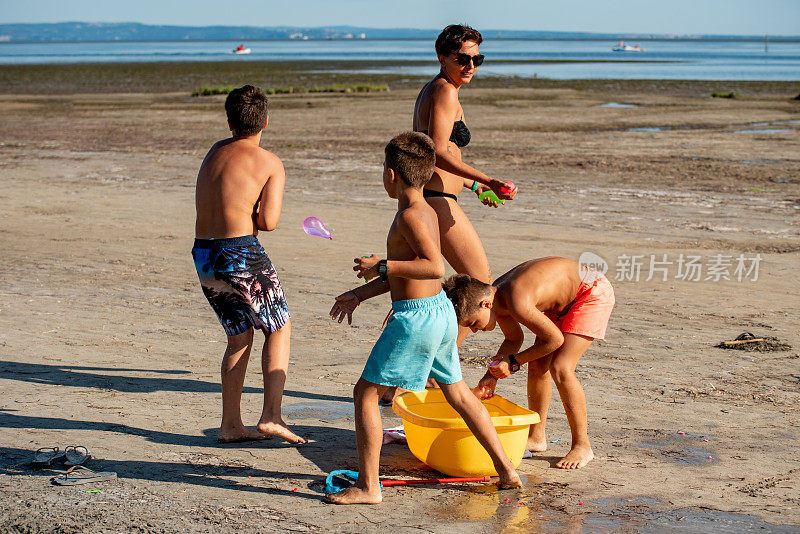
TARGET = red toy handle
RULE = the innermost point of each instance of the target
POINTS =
(434, 481)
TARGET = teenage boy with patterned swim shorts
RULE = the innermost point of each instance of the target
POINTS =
(239, 192)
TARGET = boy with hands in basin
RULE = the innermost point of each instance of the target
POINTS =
(567, 306)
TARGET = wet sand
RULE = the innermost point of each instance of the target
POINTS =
(107, 341)
(156, 78)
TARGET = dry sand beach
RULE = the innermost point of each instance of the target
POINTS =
(106, 340)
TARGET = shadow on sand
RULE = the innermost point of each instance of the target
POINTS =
(72, 375)
(197, 471)
(329, 448)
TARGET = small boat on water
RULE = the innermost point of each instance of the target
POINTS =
(241, 50)
(624, 47)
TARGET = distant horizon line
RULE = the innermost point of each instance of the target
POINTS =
(345, 27)
(707, 38)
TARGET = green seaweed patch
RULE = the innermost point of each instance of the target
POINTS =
(725, 94)
(283, 90)
(212, 90)
(334, 88)
(350, 88)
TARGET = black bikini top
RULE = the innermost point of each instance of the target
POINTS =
(460, 134)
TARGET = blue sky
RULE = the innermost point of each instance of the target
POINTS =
(775, 17)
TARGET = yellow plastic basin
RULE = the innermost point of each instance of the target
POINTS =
(439, 437)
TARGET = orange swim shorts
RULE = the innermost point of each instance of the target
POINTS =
(589, 313)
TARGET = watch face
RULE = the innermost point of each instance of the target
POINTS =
(513, 364)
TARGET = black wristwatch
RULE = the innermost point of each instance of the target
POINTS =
(383, 270)
(514, 363)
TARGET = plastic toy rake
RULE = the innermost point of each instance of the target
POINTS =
(340, 479)
(434, 481)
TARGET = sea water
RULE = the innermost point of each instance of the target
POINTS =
(555, 59)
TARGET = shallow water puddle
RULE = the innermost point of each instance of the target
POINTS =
(712, 522)
(758, 127)
(765, 130)
(528, 510)
(642, 515)
(616, 105)
(507, 511)
(319, 410)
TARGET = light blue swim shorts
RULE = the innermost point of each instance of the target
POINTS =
(418, 342)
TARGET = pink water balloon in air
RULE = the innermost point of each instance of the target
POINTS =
(313, 226)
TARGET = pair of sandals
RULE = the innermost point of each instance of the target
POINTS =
(71, 456)
(74, 457)
(78, 474)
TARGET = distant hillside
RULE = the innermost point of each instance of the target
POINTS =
(131, 31)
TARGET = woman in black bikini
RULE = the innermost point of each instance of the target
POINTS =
(438, 113)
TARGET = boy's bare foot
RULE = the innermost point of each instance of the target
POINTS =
(536, 445)
(355, 495)
(576, 458)
(238, 435)
(279, 429)
(509, 480)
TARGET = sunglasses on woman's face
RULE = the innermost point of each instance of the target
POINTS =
(464, 59)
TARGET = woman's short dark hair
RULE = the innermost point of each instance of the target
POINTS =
(246, 108)
(452, 37)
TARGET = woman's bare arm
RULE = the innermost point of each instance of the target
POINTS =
(443, 110)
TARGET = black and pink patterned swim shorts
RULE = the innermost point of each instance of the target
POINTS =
(241, 284)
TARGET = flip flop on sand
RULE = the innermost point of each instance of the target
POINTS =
(47, 456)
(76, 455)
(82, 475)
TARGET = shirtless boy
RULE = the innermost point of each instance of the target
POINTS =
(240, 191)
(567, 306)
(419, 339)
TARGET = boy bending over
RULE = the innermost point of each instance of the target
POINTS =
(419, 339)
(240, 191)
(566, 305)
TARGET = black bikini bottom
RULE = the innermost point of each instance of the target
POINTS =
(431, 193)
